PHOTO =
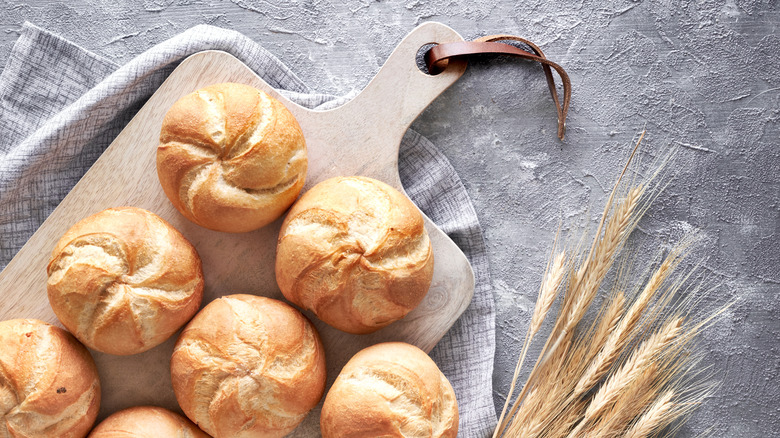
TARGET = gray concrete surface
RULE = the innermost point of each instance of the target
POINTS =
(703, 76)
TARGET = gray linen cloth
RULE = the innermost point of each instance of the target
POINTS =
(61, 106)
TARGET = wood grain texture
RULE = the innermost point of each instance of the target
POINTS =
(361, 137)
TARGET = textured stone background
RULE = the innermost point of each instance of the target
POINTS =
(703, 77)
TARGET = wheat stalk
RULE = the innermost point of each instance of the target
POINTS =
(565, 421)
(537, 407)
(615, 377)
(585, 284)
(584, 288)
(562, 324)
(543, 416)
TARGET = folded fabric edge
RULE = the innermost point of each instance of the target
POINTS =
(30, 30)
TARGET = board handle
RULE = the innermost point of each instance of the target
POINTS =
(400, 89)
(371, 125)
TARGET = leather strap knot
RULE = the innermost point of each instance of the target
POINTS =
(436, 59)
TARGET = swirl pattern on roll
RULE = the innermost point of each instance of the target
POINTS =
(354, 251)
(124, 280)
(231, 158)
(248, 366)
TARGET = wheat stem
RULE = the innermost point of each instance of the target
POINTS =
(549, 393)
(588, 280)
(557, 412)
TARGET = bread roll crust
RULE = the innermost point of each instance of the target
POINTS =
(49, 384)
(354, 251)
(391, 389)
(123, 280)
(248, 366)
(231, 158)
(146, 422)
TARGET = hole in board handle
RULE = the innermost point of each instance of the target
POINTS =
(420, 58)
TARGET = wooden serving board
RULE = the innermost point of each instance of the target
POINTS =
(362, 137)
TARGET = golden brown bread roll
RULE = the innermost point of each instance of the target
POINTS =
(390, 390)
(248, 366)
(231, 158)
(146, 422)
(355, 252)
(124, 280)
(49, 384)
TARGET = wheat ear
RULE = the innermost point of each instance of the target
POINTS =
(631, 403)
(603, 245)
(655, 418)
(607, 325)
(548, 292)
(634, 366)
(619, 337)
(595, 269)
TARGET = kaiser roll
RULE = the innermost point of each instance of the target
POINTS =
(123, 280)
(146, 422)
(49, 384)
(390, 390)
(355, 252)
(248, 366)
(231, 158)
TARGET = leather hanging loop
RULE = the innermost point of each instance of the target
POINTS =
(437, 58)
